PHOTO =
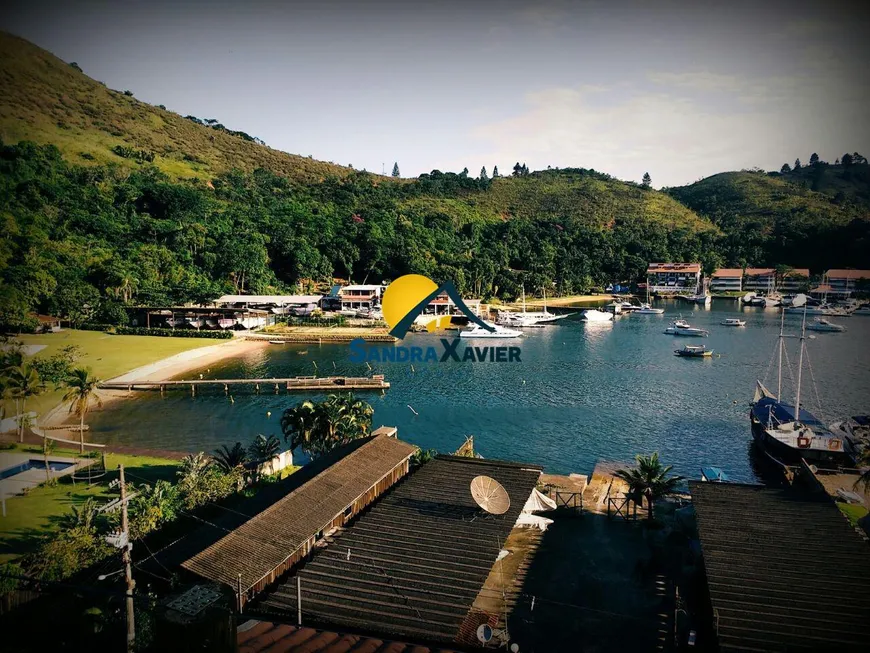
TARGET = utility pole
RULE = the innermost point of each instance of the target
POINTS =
(128, 568)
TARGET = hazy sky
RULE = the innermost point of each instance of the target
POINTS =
(682, 89)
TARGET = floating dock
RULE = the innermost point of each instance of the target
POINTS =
(291, 384)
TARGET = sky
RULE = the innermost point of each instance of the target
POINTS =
(681, 89)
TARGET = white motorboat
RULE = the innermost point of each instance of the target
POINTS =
(678, 324)
(734, 322)
(822, 324)
(683, 328)
(614, 307)
(526, 318)
(477, 331)
(593, 315)
(646, 309)
(821, 309)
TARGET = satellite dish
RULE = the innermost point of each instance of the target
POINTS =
(490, 495)
(484, 633)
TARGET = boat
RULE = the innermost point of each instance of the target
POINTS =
(788, 433)
(647, 309)
(821, 309)
(821, 324)
(733, 322)
(683, 328)
(713, 475)
(526, 318)
(701, 298)
(862, 310)
(593, 315)
(478, 331)
(694, 351)
(276, 342)
(614, 307)
(628, 307)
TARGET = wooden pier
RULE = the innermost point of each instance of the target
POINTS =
(291, 384)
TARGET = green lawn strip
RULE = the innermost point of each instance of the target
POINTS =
(853, 511)
(107, 355)
(32, 515)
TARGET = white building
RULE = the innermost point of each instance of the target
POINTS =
(727, 280)
(842, 283)
(361, 297)
(759, 280)
(678, 278)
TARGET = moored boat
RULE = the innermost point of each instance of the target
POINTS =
(787, 432)
(683, 328)
(713, 475)
(592, 315)
(477, 331)
(733, 322)
(694, 351)
(821, 324)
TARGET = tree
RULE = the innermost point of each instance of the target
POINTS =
(81, 392)
(227, 459)
(464, 173)
(483, 175)
(785, 168)
(495, 174)
(23, 382)
(837, 162)
(518, 169)
(814, 159)
(797, 164)
(650, 480)
(647, 180)
(395, 169)
(263, 448)
(847, 160)
(318, 428)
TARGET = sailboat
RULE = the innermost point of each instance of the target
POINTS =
(789, 432)
(530, 318)
(647, 309)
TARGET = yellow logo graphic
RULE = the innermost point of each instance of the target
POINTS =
(407, 296)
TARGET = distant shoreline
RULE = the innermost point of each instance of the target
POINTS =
(566, 301)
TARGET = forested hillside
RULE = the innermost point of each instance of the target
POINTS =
(105, 200)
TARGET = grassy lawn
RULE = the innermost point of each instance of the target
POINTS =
(37, 513)
(853, 511)
(107, 355)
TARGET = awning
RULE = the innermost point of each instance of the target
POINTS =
(538, 502)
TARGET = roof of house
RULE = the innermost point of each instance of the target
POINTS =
(759, 271)
(785, 569)
(47, 319)
(264, 538)
(674, 267)
(268, 299)
(369, 287)
(413, 564)
(728, 272)
(260, 636)
(848, 274)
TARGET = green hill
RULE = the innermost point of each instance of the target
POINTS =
(46, 100)
(106, 200)
(768, 218)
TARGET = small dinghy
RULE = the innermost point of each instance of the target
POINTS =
(694, 351)
(733, 321)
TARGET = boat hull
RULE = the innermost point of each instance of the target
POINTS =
(788, 455)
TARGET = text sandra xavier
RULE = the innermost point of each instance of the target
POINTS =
(360, 353)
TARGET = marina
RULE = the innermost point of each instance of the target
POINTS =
(584, 391)
(291, 384)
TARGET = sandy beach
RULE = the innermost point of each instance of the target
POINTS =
(161, 370)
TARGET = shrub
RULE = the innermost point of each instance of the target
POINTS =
(176, 333)
(128, 93)
(94, 326)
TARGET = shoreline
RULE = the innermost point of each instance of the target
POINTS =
(562, 302)
(161, 370)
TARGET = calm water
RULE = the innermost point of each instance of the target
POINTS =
(583, 392)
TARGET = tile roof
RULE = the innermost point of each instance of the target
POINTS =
(417, 559)
(258, 544)
(728, 272)
(262, 636)
(759, 271)
(848, 274)
(785, 569)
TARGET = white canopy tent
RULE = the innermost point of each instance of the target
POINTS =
(537, 502)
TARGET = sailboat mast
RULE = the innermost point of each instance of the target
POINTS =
(797, 400)
(779, 374)
(524, 298)
(544, 288)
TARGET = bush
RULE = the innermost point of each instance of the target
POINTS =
(94, 326)
(111, 312)
(176, 333)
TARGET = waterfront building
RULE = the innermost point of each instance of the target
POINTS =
(198, 317)
(298, 305)
(727, 280)
(784, 570)
(793, 281)
(674, 278)
(361, 297)
(759, 280)
(840, 284)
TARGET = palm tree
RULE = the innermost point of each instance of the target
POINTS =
(82, 515)
(228, 459)
(193, 467)
(23, 382)
(81, 392)
(263, 448)
(650, 480)
(321, 427)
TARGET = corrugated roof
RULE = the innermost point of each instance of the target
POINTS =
(785, 569)
(262, 542)
(848, 274)
(417, 559)
(262, 636)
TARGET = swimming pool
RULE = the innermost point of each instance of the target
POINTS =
(34, 463)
